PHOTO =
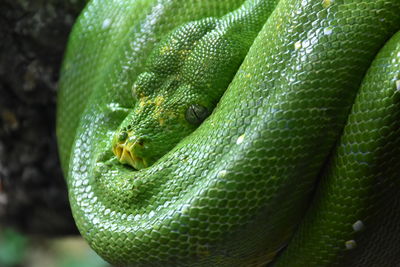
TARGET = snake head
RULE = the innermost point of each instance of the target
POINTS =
(181, 85)
(156, 124)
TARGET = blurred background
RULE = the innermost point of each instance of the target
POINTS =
(36, 226)
(19, 250)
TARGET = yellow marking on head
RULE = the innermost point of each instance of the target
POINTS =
(159, 100)
(143, 101)
(166, 49)
(162, 115)
(159, 113)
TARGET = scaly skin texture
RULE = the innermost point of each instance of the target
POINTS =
(186, 75)
(234, 191)
(362, 172)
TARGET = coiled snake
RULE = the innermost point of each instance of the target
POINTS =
(234, 133)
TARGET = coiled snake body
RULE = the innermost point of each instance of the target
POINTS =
(298, 163)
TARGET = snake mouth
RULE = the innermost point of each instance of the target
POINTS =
(127, 156)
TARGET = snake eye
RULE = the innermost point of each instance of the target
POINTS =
(122, 136)
(196, 114)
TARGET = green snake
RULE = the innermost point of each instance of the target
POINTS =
(234, 133)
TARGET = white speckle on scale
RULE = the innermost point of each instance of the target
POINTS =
(351, 244)
(222, 173)
(358, 226)
(106, 24)
(328, 30)
(96, 221)
(297, 45)
(240, 139)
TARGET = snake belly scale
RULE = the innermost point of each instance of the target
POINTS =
(292, 167)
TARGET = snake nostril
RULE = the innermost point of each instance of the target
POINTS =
(140, 142)
(122, 136)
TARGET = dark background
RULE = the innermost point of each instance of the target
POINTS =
(33, 36)
(36, 226)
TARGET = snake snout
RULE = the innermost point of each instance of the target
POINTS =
(127, 153)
